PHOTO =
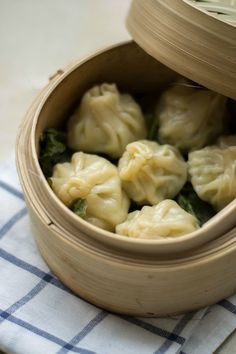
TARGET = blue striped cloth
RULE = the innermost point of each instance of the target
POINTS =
(39, 315)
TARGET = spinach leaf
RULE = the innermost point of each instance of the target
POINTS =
(148, 103)
(190, 202)
(79, 207)
(153, 127)
(53, 149)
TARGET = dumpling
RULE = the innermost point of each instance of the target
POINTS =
(151, 172)
(166, 219)
(213, 174)
(105, 122)
(190, 118)
(96, 180)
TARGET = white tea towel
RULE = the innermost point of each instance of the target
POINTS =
(39, 315)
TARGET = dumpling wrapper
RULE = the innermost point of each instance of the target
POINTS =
(166, 219)
(151, 172)
(213, 174)
(96, 180)
(190, 118)
(105, 122)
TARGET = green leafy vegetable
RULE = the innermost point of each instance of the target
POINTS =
(148, 103)
(49, 180)
(79, 207)
(153, 127)
(53, 149)
(190, 202)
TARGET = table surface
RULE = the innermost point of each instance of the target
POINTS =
(38, 38)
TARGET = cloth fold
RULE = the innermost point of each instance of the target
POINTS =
(39, 315)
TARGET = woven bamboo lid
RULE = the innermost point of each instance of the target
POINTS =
(196, 38)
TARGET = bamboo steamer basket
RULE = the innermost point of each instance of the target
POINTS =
(123, 275)
(196, 38)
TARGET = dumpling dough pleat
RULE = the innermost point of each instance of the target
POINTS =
(213, 173)
(151, 172)
(190, 118)
(96, 180)
(105, 122)
(166, 219)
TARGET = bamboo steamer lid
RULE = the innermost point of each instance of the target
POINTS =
(196, 38)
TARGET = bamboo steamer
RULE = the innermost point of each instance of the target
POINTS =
(122, 276)
(119, 274)
(196, 38)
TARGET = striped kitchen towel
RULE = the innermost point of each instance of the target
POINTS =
(39, 315)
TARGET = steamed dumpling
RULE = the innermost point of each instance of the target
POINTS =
(213, 174)
(190, 118)
(151, 172)
(105, 122)
(96, 180)
(166, 219)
